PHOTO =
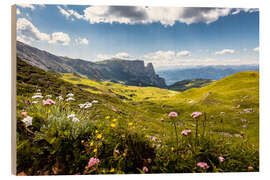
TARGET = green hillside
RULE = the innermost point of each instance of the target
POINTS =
(188, 84)
(134, 121)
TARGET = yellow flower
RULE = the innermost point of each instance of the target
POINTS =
(95, 150)
(82, 141)
(130, 124)
(182, 156)
(172, 149)
(49, 111)
(113, 125)
(199, 135)
(99, 136)
(92, 143)
(124, 154)
(114, 120)
(107, 117)
(72, 112)
(96, 131)
(133, 127)
(112, 170)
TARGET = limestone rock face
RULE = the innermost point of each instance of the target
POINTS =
(116, 70)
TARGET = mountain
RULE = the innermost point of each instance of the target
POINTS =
(115, 70)
(188, 84)
(208, 72)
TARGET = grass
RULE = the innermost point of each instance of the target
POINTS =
(135, 121)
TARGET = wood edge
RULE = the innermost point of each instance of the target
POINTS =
(13, 90)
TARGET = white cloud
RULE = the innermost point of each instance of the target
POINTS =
(256, 49)
(26, 6)
(183, 53)
(225, 51)
(27, 31)
(81, 41)
(160, 55)
(120, 55)
(18, 12)
(60, 37)
(68, 13)
(167, 16)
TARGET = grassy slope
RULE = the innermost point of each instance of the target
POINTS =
(221, 96)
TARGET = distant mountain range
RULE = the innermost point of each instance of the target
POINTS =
(114, 70)
(208, 72)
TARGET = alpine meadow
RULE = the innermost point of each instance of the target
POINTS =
(134, 90)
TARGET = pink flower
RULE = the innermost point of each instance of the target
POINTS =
(202, 165)
(92, 162)
(196, 114)
(186, 132)
(221, 159)
(48, 102)
(145, 169)
(173, 114)
(116, 151)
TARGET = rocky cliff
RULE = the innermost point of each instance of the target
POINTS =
(116, 70)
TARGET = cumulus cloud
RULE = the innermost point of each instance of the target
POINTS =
(183, 53)
(26, 6)
(81, 41)
(26, 30)
(167, 16)
(60, 37)
(18, 12)
(120, 55)
(225, 51)
(256, 49)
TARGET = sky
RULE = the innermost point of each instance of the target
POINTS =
(168, 37)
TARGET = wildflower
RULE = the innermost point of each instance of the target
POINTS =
(34, 102)
(114, 120)
(95, 101)
(95, 150)
(92, 162)
(24, 114)
(96, 131)
(186, 132)
(130, 124)
(71, 115)
(107, 117)
(91, 143)
(99, 136)
(172, 148)
(145, 169)
(85, 105)
(182, 156)
(221, 159)
(60, 98)
(113, 125)
(149, 160)
(173, 114)
(48, 102)
(116, 151)
(37, 96)
(70, 95)
(70, 99)
(222, 113)
(196, 114)
(75, 119)
(112, 170)
(202, 165)
(27, 121)
(227, 135)
(250, 168)
(82, 141)
(48, 96)
(124, 154)
(49, 111)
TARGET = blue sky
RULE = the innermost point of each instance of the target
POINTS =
(167, 37)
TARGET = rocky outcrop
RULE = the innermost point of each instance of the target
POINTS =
(115, 70)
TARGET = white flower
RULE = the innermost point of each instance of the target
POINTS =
(70, 99)
(49, 96)
(75, 119)
(71, 116)
(34, 102)
(37, 96)
(60, 98)
(70, 95)
(27, 121)
(85, 105)
(95, 101)
(81, 105)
